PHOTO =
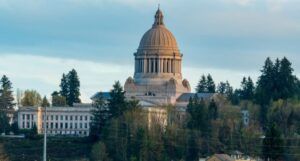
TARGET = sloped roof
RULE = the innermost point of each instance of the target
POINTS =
(220, 157)
(186, 96)
(105, 95)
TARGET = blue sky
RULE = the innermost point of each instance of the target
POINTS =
(39, 39)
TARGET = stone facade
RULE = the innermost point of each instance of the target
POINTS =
(157, 75)
(60, 120)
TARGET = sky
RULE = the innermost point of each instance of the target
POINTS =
(40, 40)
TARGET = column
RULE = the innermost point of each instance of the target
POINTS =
(145, 65)
(164, 65)
(156, 65)
(135, 64)
(170, 66)
(161, 65)
(158, 62)
(179, 66)
(142, 66)
(148, 65)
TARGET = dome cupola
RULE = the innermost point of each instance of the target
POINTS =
(158, 37)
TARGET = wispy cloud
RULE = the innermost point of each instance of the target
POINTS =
(44, 73)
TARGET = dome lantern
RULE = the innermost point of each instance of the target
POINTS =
(159, 18)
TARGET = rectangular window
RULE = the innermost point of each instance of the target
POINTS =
(71, 126)
(56, 117)
(71, 117)
(80, 125)
(66, 117)
(76, 118)
(23, 125)
(61, 125)
(61, 117)
(56, 125)
(23, 116)
(80, 118)
(86, 118)
(85, 125)
(51, 125)
(51, 117)
(66, 125)
(75, 125)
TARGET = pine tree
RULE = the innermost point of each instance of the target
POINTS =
(117, 104)
(212, 110)
(221, 88)
(192, 150)
(64, 86)
(211, 87)
(287, 81)
(6, 94)
(273, 144)
(206, 85)
(45, 102)
(4, 124)
(247, 89)
(100, 118)
(202, 86)
(265, 84)
(73, 88)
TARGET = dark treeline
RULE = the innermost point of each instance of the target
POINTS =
(122, 131)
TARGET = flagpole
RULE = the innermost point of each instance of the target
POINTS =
(45, 136)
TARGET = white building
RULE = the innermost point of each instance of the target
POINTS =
(245, 116)
(60, 120)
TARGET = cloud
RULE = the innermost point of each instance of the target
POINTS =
(240, 2)
(44, 73)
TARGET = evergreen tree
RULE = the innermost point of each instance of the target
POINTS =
(265, 84)
(4, 125)
(211, 87)
(6, 94)
(33, 132)
(247, 89)
(212, 110)
(64, 86)
(100, 118)
(287, 81)
(45, 102)
(206, 85)
(192, 151)
(197, 111)
(273, 144)
(221, 88)
(73, 88)
(202, 87)
(15, 128)
(117, 104)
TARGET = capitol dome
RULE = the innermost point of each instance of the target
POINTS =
(158, 37)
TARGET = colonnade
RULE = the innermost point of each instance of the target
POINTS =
(157, 65)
